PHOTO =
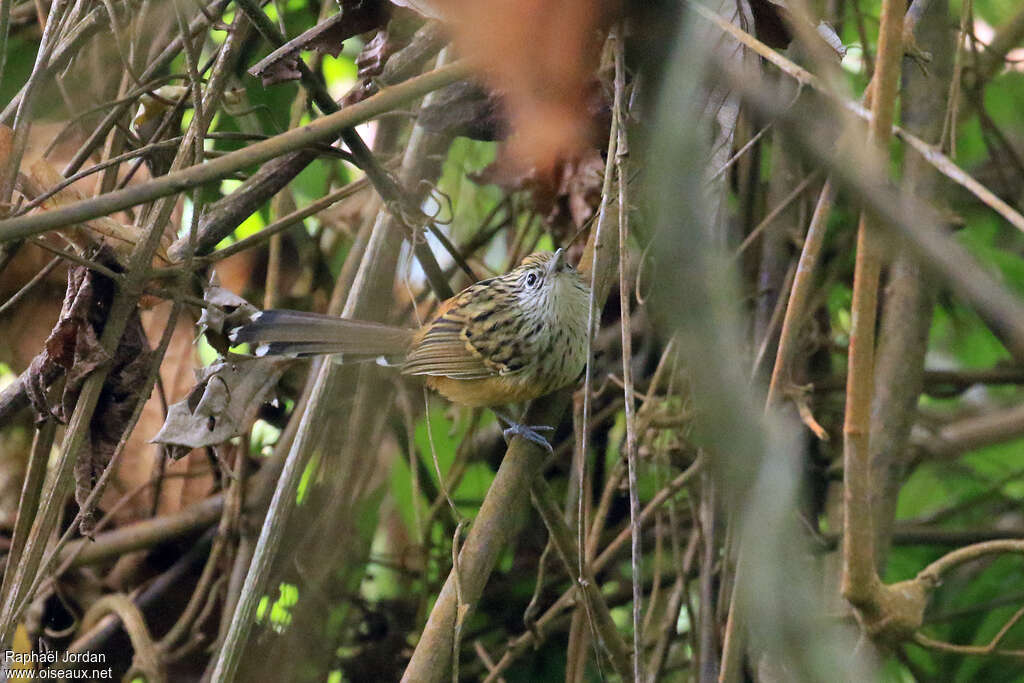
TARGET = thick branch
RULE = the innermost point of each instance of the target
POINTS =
(860, 582)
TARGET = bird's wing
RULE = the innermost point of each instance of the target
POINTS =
(445, 348)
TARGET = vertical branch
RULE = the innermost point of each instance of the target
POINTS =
(621, 154)
(908, 298)
(598, 292)
(859, 578)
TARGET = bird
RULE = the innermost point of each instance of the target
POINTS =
(503, 340)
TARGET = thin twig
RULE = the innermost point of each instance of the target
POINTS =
(524, 641)
(800, 292)
(36, 279)
(621, 152)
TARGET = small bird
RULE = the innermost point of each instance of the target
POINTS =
(502, 340)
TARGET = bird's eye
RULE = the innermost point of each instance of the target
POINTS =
(531, 280)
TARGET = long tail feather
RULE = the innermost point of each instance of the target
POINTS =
(295, 333)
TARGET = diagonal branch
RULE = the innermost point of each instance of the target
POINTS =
(321, 130)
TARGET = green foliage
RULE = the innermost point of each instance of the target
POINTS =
(470, 201)
(446, 439)
(280, 615)
(21, 55)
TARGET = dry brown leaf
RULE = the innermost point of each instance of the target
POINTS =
(72, 353)
(356, 16)
(540, 55)
(566, 201)
(224, 402)
(370, 63)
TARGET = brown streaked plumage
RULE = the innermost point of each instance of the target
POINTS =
(503, 340)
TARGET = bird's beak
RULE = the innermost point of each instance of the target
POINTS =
(556, 262)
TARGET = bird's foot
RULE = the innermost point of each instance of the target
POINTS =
(530, 433)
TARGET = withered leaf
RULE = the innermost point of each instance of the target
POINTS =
(539, 55)
(223, 403)
(355, 17)
(72, 353)
(566, 191)
(581, 186)
(121, 394)
(566, 201)
(370, 63)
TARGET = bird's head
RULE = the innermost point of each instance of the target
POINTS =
(546, 284)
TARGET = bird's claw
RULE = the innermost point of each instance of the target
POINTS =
(531, 434)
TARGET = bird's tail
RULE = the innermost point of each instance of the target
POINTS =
(299, 334)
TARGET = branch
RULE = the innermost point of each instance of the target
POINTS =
(907, 307)
(144, 534)
(146, 660)
(860, 582)
(971, 433)
(610, 552)
(321, 130)
(562, 537)
(942, 163)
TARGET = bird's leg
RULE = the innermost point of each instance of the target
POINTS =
(530, 433)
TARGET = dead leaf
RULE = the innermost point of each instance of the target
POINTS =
(580, 186)
(369, 64)
(72, 353)
(223, 403)
(540, 55)
(355, 17)
(566, 201)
